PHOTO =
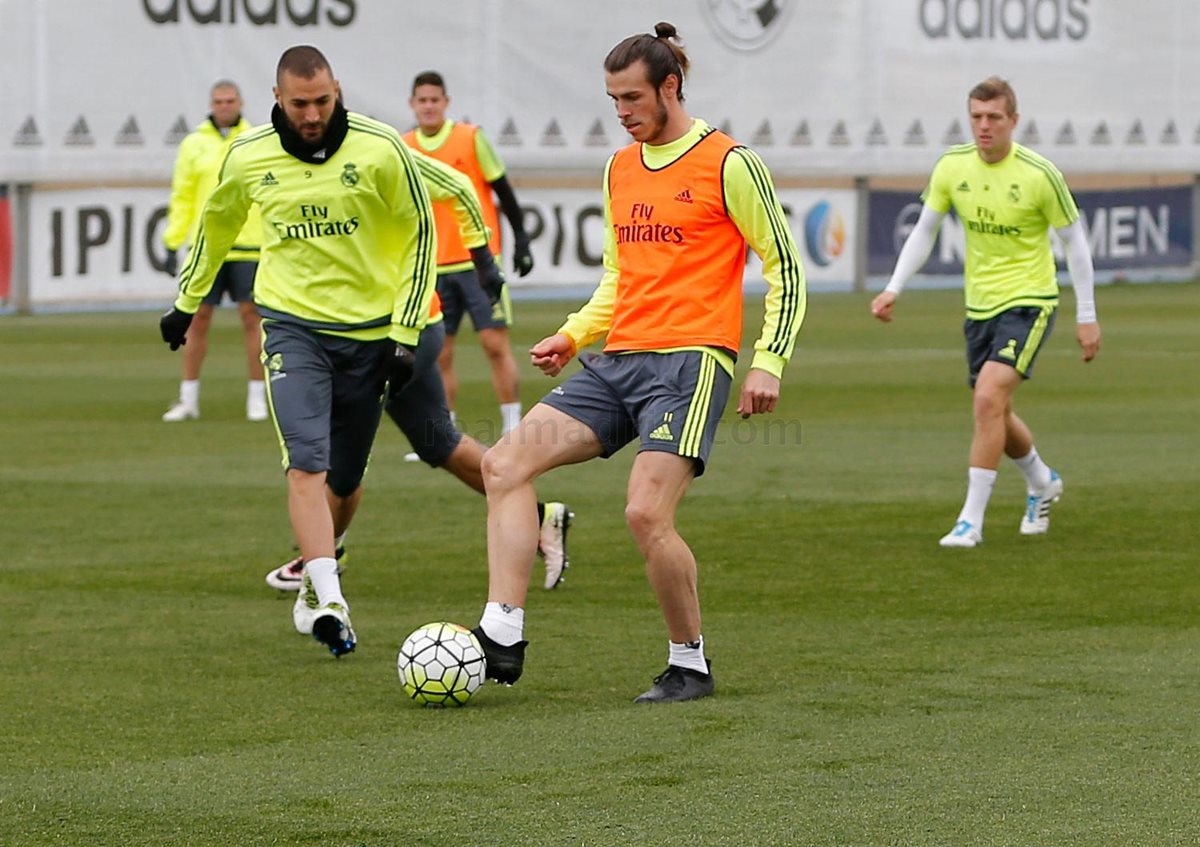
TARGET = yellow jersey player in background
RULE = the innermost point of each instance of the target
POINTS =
(344, 290)
(681, 204)
(1007, 197)
(196, 166)
(463, 146)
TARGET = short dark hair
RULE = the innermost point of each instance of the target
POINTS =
(224, 83)
(994, 87)
(428, 78)
(661, 52)
(302, 61)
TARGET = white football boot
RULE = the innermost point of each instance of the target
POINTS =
(964, 534)
(552, 542)
(1036, 519)
(181, 411)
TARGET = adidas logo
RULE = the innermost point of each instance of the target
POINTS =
(595, 135)
(509, 137)
(553, 136)
(79, 135)
(962, 186)
(269, 179)
(177, 133)
(684, 196)
(27, 135)
(662, 432)
(130, 134)
(1010, 350)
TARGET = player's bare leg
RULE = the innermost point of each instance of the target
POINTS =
(504, 375)
(545, 439)
(657, 483)
(656, 486)
(256, 395)
(992, 399)
(446, 368)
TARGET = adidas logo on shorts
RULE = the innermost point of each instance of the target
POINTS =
(662, 432)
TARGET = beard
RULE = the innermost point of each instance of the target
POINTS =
(657, 122)
(310, 131)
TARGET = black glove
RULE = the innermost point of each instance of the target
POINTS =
(522, 258)
(171, 264)
(491, 279)
(399, 367)
(174, 325)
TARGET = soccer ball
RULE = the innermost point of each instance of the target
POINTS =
(441, 664)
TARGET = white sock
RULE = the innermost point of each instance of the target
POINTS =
(979, 489)
(256, 391)
(189, 393)
(687, 655)
(454, 417)
(510, 416)
(1037, 472)
(323, 573)
(503, 624)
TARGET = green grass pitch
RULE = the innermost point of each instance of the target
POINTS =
(873, 689)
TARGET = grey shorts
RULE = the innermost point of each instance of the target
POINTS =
(461, 294)
(1013, 337)
(235, 279)
(672, 402)
(420, 408)
(326, 396)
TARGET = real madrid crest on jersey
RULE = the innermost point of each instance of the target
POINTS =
(1014, 193)
(349, 175)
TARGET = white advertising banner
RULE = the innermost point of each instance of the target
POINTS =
(103, 246)
(104, 90)
(98, 246)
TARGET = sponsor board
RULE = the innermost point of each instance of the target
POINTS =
(104, 246)
(1133, 233)
(98, 246)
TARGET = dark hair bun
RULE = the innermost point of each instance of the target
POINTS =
(662, 29)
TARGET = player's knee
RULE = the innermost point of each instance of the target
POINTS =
(646, 521)
(250, 321)
(501, 469)
(989, 403)
(306, 482)
(497, 349)
(200, 323)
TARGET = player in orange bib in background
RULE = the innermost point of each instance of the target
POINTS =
(681, 203)
(465, 148)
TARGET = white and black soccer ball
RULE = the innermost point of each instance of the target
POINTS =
(441, 664)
